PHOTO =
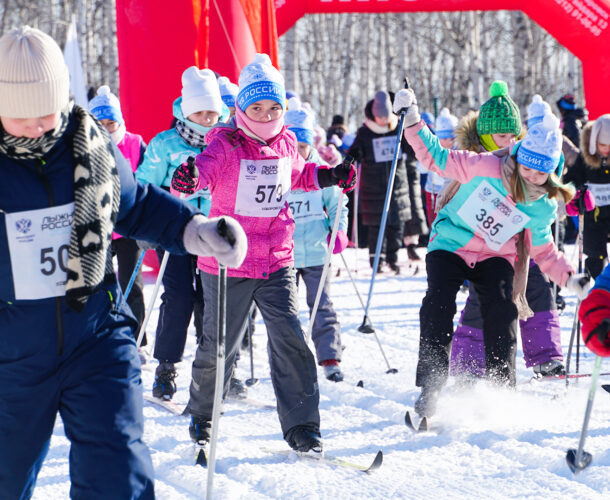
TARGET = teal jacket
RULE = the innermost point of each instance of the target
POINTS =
(165, 153)
(314, 214)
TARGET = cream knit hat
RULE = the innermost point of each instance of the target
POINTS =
(34, 79)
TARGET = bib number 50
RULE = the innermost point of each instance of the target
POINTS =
(264, 193)
(50, 259)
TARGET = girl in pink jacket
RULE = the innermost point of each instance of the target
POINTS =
(250, 166)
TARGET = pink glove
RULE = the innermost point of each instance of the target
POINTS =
(572, 207)
(341, 241)
(185, 178)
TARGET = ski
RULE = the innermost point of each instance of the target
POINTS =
(563, 377)
(606, 387)
(167, 404)
(331, 460)
(247, 401)
(201, 457)
(423, 423)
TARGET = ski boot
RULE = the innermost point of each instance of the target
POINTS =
(394, 267)
(237, 389)
(425, 406)
(412, 253)
(304, 438)
(199, 429)
(332, 371)
(550, 368)
(164, 386)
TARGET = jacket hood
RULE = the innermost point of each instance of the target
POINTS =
(593, 161)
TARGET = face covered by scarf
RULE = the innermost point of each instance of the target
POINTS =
(264, 131)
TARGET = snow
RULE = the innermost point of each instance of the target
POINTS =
(490, 444)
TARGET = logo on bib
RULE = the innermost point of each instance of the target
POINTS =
(23, 225)
(57, 221)
(251, 169)
(269, 170)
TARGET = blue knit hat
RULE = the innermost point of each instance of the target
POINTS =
(106, 106)
(228, 91)
(260, 80)
(299, 121)
(541, 147)
(445, 124)
(536, 110)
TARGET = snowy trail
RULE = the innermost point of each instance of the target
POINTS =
(494, 443)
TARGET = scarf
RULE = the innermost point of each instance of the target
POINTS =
(382, 129)
(261, 131)
(97, 194)
(119, 134)
(191, 137)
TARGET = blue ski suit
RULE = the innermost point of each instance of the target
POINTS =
(83, 364)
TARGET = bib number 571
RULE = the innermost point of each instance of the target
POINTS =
(51, 259)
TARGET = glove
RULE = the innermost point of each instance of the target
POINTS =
(344, 174)
(405, 100)
(594, 314)
(341, 241)
(220, 237)
(146, 245)
(573, 206)
(185, 178)
(580, 284)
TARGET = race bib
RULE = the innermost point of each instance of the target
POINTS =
(492, 216)
(38, 242)
(306, 207)
(601, 193)
(263, 187)
(383, 148)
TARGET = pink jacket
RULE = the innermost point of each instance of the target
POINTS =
(240, 174)
(132, 148)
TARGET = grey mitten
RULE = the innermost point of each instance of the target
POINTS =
(220, 237)
(405, 100)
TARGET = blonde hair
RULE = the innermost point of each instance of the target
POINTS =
(553, 186)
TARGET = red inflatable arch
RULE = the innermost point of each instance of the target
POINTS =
(158, 40)
(579, 25)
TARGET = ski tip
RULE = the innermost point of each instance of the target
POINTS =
(423, 425)
(409, 421)
(376, 462)
(201, 458)
(360, 383)
(606, 387)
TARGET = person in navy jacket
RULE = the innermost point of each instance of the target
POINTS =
(66, 333)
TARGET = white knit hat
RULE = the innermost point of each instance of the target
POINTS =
(445, 124)
(228, 91)
(200, 91)
(536, 110)
(260, 80)
(34, 79)
(599, 133)
(541, 147)
(299, 120)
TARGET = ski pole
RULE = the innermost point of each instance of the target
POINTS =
(132, 280)
(366, 326)
(221, 328)
(555, 292)
(579, 459)
(251, 381)
(355, 232)
(329, 252)
(353, 282)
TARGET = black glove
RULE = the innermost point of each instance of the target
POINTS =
(343, 175)
(185, 177)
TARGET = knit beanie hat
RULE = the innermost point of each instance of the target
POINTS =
(228, 91)
(445, 124)
(567, 102)
(337, 120)
(599, 133)
(106, 106)
(34, 79)
(200, 91)
(536, 110)
(541, 147)
(382, 106)
(499, 114)
(299, 121)
(260, 80)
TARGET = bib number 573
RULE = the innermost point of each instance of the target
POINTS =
(264, 193)
(51, 259)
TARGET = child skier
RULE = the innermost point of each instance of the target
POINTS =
(67, 336)
(196, 111)
(250, 165)
(228, 93)
(540, 331)
(504, 207)
(594, 313)
(314, 213)
(105, 106)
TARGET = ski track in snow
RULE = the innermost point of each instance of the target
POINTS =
(494, 443)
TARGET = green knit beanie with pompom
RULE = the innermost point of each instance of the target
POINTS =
(499, 115)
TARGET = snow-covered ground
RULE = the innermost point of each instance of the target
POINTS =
(493, 443)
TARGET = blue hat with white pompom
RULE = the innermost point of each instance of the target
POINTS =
(541, 147)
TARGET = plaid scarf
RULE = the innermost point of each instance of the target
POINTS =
(190, 136)
(97, 193)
